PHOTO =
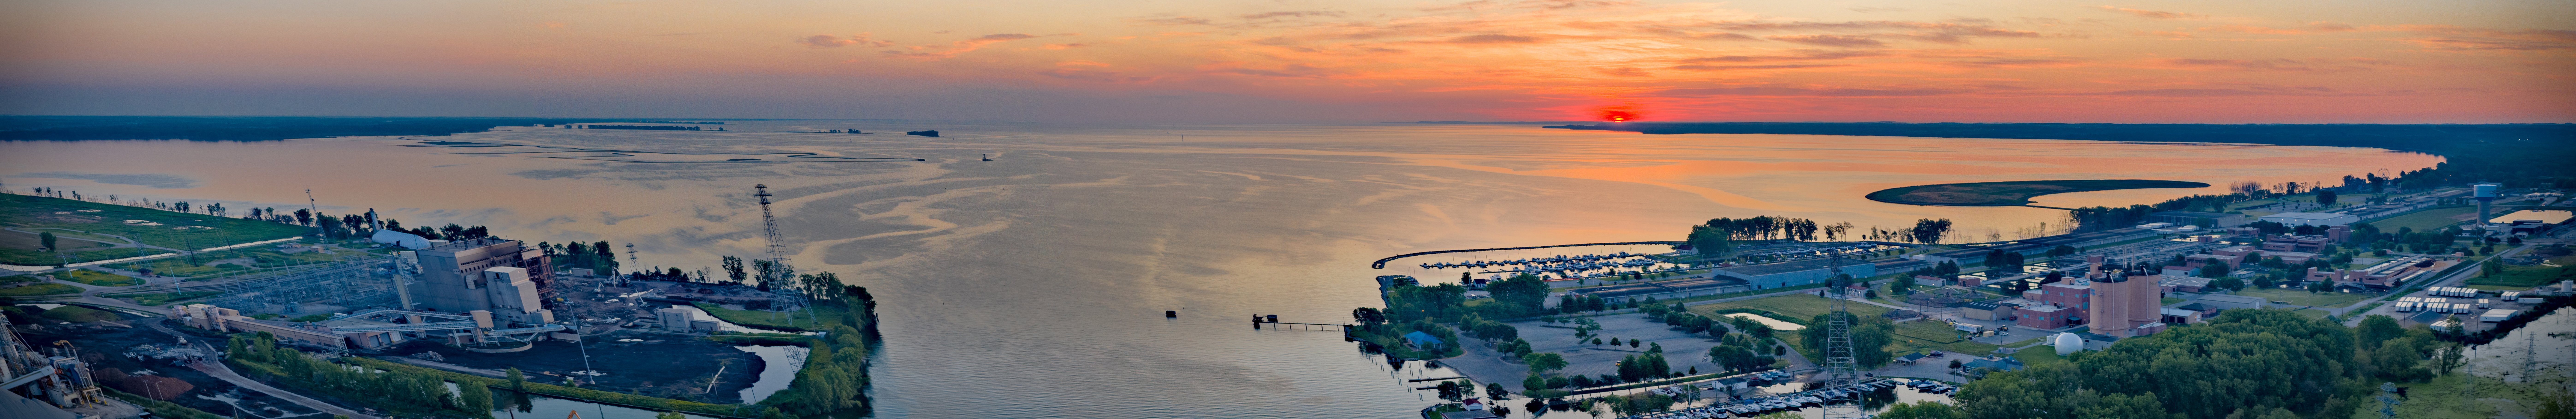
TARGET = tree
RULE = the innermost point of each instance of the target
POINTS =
(1711, 241)
(304, 217)
(477, 399)
(1929, 231)
(1495, 391)
(46, 239)
(518, 380)
(2376, 329)
(2230, 284)
(1524, 293)
(1543, 362)
(1954, 364)
(2451, 356)
(2325, 198)
(2242, 359)
(2215, 269)
(2491, 267)
(733, 268)
(1926, 409)
(1870, 336)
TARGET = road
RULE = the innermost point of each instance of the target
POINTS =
(219, 371)
(2454, 279)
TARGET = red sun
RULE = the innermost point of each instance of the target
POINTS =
(1619, 113)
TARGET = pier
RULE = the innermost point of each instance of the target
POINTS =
(1381, 263)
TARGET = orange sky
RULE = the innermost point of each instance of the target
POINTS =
(1304, 61)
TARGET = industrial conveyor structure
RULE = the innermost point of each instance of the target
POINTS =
(473, 327)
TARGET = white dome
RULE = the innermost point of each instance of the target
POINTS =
(2067, 343)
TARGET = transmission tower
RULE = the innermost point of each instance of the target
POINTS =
(769, 225)
(1841, 370)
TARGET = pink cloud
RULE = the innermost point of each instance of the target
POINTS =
(934, 52)
(2151, 14)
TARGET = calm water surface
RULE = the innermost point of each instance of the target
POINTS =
(1032, 285)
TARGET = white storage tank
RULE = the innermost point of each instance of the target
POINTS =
(2067, 343)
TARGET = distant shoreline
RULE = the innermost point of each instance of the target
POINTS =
(2011, 193)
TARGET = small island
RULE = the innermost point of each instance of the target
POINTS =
(2004, 194)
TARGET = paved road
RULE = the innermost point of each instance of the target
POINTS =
(218, 370)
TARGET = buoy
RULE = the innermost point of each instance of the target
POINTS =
(1171, 314)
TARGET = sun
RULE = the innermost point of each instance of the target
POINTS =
(1618, 113)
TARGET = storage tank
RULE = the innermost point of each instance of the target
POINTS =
(2067, 343)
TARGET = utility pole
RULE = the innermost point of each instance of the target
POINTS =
(631, 259)
(1841, 369)
(316, 208)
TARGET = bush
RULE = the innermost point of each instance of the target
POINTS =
(39, 289)
(97, 278)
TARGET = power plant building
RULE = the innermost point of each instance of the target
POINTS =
(488, 274)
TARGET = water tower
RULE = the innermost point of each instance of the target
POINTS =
(2485, 193)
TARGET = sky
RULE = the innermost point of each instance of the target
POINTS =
(1301, 61)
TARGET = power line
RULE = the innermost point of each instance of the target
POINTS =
(1841, 371)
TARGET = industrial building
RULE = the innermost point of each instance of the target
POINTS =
(1665, 290)
(2126, 305)
(2312, 218)
(38, 382)
(2192, 218)
(1803, 272)
(2526, 222)
(457, 277)
(482, 294)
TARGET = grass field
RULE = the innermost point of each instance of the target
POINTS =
(2426, 220)
(38, 289)
(2531, 276)
(234, 261)
(2038, 355)
(97, 278)
(795, 321)
(2011, 193)
(151, 226)
(24, 248)
(1801, 307)
(2299, 297)
(1926, 334)
(2171, 300)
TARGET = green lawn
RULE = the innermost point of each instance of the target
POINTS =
(2171, 300)
(1926, 334)
(38, 289)
(1799, 306)
(2038, 355)
(2310, 312)
(172, 229)
(2427, 220)
(203, 265)
(97, 278)
(2299, 297)
(787, 320)
(2530, 276)
(26, 248)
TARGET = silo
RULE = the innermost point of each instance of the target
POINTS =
(2485, 193)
